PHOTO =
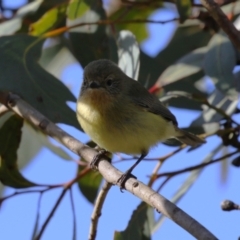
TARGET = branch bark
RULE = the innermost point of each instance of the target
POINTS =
(97, 211)
(110, 173)
(222, 20)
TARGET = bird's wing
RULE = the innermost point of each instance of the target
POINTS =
(141, 97)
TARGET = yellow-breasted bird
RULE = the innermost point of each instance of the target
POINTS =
(120, 115)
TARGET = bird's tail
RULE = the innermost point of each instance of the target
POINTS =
(188, 138)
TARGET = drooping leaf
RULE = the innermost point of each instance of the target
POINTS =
(32, 142)
(12, 25)
(91, 42)
(219, 63)
(56, 56)
(187, 84)
(184, 9)
(209, 115)
(89, 184)
(50, 20)
(140, 225)
(236, 161)
(21, 74)
(128, 54)
(10, 137)
(76, 9)
(186, 66)
(130, 14)
(187, 37)
(185, 187)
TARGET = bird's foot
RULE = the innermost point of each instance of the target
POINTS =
(97, 158)
(122, 180)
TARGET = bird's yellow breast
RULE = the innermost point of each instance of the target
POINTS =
(121, 127)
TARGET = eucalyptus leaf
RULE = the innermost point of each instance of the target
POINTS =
(90, 42)
(12, 25)
(50, 20)
(89, 184)
(219, 63)
(210, 115)
(184, 9)
(186, 66)
(185, 187)
(140, 31)
(186, 38)
(22, 74)
(10, 137)
(128, 54)
(56, 56)
(140, 225)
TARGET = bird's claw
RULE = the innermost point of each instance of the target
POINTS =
(122, 180)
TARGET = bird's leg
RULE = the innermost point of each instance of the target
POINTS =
(97, 157)
(121, 181)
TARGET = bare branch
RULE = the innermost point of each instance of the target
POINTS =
(222, 20)
(97, 211)
(110, 173)
(74, 215)
(201, 165)
(51, 214)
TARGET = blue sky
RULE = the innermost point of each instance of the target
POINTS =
(202, 202)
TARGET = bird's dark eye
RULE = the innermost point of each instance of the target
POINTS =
(109, 82)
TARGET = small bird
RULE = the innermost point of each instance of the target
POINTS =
(120, 115)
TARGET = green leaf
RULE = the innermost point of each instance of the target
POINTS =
(140, 225)
(185, 187)
(188, 85)
(185, 67)
(128, 54)
(76, 9)
(219, 63)
(184, 9)
(89, 184)
(186, 38)
(209, 115)
(14, 24)
(236, 161)
(30, 146)
(143, 12)
(10, 137)
(56, 56)
(50, 20)
(91, 42)
(21, 74)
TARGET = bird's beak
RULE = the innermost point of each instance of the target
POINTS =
(94, 84)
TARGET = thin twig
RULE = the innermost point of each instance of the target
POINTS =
(161, 161)
(51, 214)
(201, 165)
(37, 217)
(67, 186)
(59, 31)
(74, 215)
(27, 192)
(110, 173)
(223, 21)
(97, 211)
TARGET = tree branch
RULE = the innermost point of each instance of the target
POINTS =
(201, 165)
(97, 210)
(222, 20)
(110, 173)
